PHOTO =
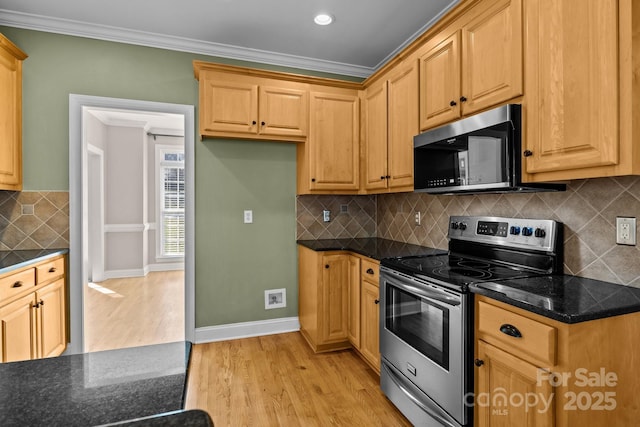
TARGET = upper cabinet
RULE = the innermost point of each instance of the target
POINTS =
(11, 58)
(473, 64)
(390, 121)
(581, 88)
(329, 161)
(240, 106)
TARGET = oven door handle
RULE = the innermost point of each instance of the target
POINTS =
(411, 391)
(430, 294)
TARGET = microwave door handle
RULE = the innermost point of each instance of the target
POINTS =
(430, 294)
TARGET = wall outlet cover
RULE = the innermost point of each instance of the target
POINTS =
(248, 216)
(275, 298)
(626, 230)
(326, 215)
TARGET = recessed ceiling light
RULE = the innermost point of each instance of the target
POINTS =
(323, 19)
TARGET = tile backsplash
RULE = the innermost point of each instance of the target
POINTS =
(351, 216)
(34, 220)
(588, 210)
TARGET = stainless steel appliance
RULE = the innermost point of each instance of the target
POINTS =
(481, 153)
(426, 331)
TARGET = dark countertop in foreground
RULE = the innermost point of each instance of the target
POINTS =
(568, 299)
(371, 247)
(94, 388)
(12, 260)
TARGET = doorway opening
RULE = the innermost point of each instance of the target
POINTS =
(131, 232)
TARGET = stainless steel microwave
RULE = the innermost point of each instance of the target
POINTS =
(481, 153)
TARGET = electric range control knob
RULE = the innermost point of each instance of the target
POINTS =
(455, 225)
(527, 231)
(540, 232)
(463, 226)
(515, 230)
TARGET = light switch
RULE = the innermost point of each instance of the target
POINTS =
(248, 217)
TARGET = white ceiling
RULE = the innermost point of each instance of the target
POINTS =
(365, 34)
(153, 122)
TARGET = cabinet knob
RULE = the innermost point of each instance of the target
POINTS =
(382, 177)
(262, 123)
(52, 270)
(388, 176)
(41, 302)
(377, 301)
(478, 362)
(453, 103)
(528, 153)
(326, 266)
(17, 285)
(463, 99)
(253, 122)
(36, 305)
(313, 180)
(369, 270)
(510, 330)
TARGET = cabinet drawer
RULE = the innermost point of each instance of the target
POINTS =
(536, 340)
(370, 271)
(16, 284)
(50, 270)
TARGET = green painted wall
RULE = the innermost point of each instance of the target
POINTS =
(235, 262)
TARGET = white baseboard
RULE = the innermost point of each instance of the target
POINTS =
(140, 272)
(246, 329)
(167, 266)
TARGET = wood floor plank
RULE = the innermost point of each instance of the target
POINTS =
(276, 380)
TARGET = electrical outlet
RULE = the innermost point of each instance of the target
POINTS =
(417, 218)
(248, 217)
(326, 215)
(626, 231)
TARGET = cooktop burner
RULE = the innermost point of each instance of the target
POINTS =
(457, 270)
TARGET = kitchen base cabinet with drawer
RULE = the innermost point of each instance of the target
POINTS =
(33, 312)
(535, 371)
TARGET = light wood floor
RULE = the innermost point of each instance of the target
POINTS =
(140, 311)
(276, 380)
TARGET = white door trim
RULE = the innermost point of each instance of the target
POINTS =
(77, 236)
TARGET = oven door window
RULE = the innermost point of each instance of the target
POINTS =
(421, 323)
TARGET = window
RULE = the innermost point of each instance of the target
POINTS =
(171, 198)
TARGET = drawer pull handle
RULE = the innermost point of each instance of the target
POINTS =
(369, 270)
(52, 270)
(18, 284)
(510, 330)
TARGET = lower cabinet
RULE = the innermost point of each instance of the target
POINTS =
(339, 302)
(33, 312)
(534, 371)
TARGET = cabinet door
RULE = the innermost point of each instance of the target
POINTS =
(492, 56)
(375, 136)
(334, 155)
(283, 111)
(572, 85)
(403, 124)
(440, 83)
(335, 298)
(228, 103)
(504, 386)
(51, 322)
(10, 116)
(370, 344)
(18, 330)
(353, 326)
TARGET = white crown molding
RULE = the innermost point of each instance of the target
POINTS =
(246, 329)
(104, 32)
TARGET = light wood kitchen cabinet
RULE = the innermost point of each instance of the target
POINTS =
(33, 312)
(240, 106)
(370, 313)
(390, 121)
(323, 297)
(473, 64)
(580, 374)
(11, 58)
(581, 89)
(329, 161)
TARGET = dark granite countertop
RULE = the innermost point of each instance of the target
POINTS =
(13, 260)
(568, 299)
(371, 247)
(94, 388)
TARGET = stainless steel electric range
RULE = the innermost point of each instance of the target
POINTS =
(426, 321)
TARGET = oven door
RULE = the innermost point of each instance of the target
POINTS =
(423, 336)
